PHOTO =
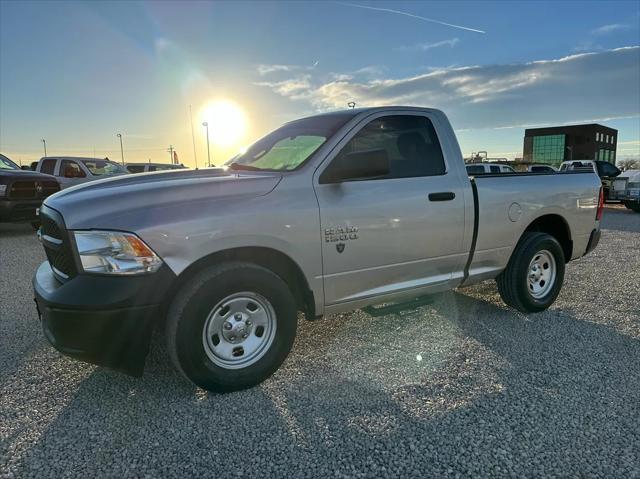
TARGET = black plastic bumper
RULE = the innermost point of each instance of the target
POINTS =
(103, 320)
(19, 210)
(594, 239)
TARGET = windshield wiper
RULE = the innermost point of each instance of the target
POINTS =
(240, 166)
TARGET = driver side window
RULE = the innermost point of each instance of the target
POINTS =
(70, 169)
(409, 142)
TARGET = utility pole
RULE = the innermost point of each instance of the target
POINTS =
(206, 125)
(170, 150)
(44, 142)
(193, 137)
(119, 135)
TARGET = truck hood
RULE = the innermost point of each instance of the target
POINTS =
(26, 175)
(116, 202)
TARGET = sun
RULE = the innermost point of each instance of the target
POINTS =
(226, 121)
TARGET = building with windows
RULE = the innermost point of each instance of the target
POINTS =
(556, 144)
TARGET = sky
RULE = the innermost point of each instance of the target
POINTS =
(79, 73)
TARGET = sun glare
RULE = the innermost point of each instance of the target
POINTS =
(227, 124)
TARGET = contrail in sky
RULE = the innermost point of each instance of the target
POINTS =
(407, 14)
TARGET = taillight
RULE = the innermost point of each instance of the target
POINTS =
(600, 205)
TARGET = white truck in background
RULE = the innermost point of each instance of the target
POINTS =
(72, 170)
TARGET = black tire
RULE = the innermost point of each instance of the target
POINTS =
(633, 206)
(194, 302)
(35, 225)
(513, 284)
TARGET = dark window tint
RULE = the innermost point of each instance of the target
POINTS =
(409, 142)
(71, 169)
(135, 168)
(48, 166)
(152, 168)
(607, 169)
(494, 169)
(475, 169)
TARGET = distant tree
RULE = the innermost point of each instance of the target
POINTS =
(629, 164)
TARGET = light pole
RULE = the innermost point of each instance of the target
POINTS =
(193, 138)
(206, 125)
(44, 142)
(119, 135)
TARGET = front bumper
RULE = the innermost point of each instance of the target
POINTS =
(19, 210)
(104, 320)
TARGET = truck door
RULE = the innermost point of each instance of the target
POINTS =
(400, 231)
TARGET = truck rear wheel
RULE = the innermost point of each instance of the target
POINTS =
(231, 326)
(533, 277)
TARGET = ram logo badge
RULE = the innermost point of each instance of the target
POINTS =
(340, 233)
(340, 247)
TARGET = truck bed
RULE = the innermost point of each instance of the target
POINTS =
(506, 204)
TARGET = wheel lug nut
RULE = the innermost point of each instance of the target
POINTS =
(237, 316)
(245, 336)
(232, 338)
(227, 325)
(248, 322)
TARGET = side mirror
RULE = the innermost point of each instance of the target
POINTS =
(360, 165)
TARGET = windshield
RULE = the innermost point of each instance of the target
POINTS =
(288, 147)
(7, 164)
(103, 167)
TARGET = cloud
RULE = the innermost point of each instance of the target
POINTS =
(265, 69)
(411, 15)
(606, 29)
(428, 46)
(298, 88)
(586, 85)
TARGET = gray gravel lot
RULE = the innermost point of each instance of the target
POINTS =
(461, 387)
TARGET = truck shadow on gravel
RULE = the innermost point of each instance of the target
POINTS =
(546, 394)
(12, 230)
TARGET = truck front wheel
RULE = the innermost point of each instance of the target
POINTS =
(533, 277)
(231, 326)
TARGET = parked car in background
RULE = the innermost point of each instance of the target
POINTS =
(71, 170)
(541, 169)
(22, 192)
(605, 170)
(488, 168)
(146, 167)
(324, 215)
(626, 188)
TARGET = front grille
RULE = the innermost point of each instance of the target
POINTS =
(30, 190)
(49, 188)
(21, 190)
(57, 246)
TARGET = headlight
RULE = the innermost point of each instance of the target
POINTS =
(113, 252)
(3, 190)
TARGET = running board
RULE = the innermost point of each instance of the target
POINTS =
(397, 308)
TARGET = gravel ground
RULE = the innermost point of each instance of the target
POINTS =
(461, 387)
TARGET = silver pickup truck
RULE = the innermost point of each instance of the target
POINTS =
(324, 215)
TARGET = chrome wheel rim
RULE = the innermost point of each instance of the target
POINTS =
(541, 275)
(239, 330)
